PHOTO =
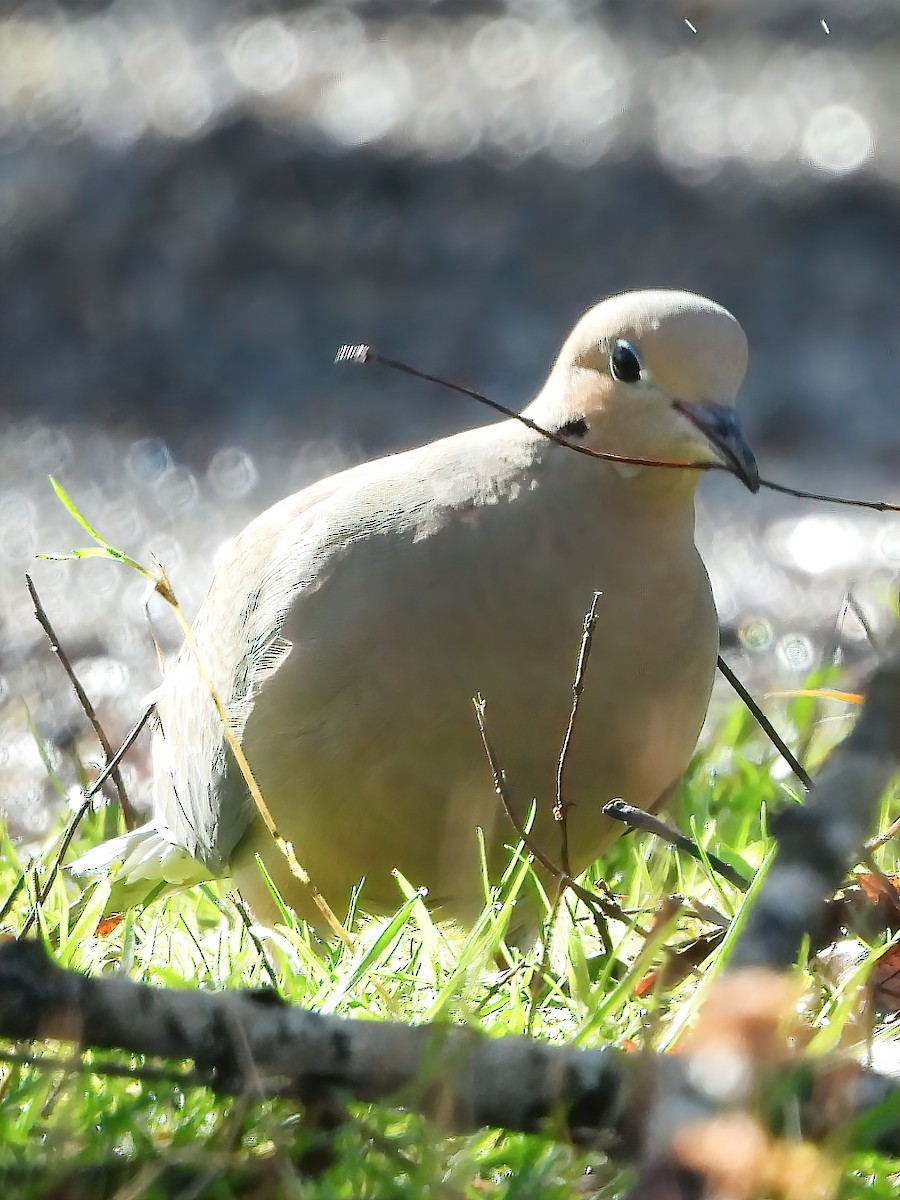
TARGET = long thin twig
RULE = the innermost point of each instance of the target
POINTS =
(367, 354)
(859, 612)
(852, 502)
(44, 621)
(43, 891)
(11, 898)
(247, 922)
(71, 829)
(636, 818)
(129, 740)
(765, 724)
(592, 900)
(562, 806)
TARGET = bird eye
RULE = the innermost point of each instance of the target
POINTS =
(624, 363)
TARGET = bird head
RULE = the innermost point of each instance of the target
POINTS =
(653, 375)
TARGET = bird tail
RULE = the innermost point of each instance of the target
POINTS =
(141, 865)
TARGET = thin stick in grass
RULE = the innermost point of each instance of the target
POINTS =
(880, 839)
(765, 724)
(247, 920)
(594, 902)
(89, 711)
(42, 891)
(71, 829)
(563, 804)
(636, 818)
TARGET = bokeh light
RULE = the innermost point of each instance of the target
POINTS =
(201, 200)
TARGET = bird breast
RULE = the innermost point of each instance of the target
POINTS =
(364, 740)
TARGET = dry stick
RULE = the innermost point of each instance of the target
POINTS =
(636, 818)
(247, 920)
(885, 836)
(592, 900)
(562, 806)
(765, 724)
(44, 622)
(42, 892)
(11, 898)
(877, 505)
(458, 1075)
(857, 609)
(130, 739)
(239, 1038)
(366, 354)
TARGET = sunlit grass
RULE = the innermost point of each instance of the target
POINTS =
(115, 1136)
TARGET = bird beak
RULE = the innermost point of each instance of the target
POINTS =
(721, 426)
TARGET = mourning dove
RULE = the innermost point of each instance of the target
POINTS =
(349, 626)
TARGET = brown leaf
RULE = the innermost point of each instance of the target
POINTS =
(885, 981)
(108, 924)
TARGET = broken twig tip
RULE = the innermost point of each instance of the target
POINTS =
(353, 354)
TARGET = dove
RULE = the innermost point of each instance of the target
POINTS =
(349, 626)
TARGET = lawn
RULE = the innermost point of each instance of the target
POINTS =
(110, 1126)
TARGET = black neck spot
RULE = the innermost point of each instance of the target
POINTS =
(574, 429)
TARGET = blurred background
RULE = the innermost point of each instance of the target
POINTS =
(200, 200)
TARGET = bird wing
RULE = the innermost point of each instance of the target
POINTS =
(201, 799)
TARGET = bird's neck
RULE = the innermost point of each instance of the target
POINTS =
(661, 494)
(658, 500)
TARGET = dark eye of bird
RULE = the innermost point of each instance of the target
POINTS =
(624, 363)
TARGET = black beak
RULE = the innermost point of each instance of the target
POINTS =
(722, 428)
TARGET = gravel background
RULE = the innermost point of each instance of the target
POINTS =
(199, 202)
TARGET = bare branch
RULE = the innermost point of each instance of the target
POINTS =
(113, 772)
(765, 724)
(877, 505)
(562, 806)
(562, 878)
(43, 891)
(248, 1042)
(636, 818)
(241, 1038)
(367, 354)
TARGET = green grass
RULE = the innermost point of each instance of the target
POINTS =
(79, 1134)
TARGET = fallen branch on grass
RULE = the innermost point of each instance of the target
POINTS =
(245, 1042)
